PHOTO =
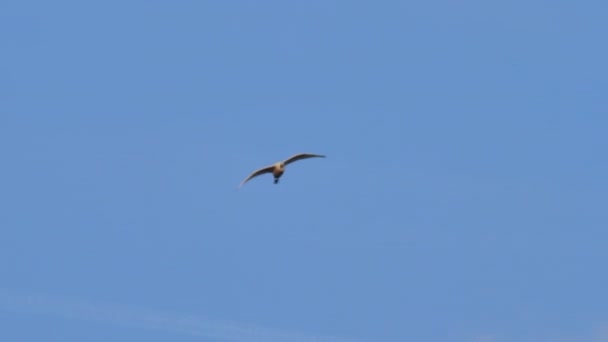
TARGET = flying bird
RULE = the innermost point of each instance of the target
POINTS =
(278, 168)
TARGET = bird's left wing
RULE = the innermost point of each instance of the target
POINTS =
(256, 173)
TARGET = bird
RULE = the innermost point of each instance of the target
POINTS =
(277, 169)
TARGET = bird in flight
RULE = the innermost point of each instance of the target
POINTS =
(278, 168)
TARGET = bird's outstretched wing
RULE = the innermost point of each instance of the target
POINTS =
(302, 156)
(256, 173)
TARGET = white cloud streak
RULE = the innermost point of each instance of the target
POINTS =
(148, 319)
(596, 333)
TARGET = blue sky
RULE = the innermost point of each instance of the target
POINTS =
(463, 197)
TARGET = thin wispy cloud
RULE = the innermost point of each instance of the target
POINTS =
(595, 333)
(142, 318)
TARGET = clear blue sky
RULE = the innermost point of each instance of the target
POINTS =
(463, 197)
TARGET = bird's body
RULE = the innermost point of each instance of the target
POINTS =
(277, 169)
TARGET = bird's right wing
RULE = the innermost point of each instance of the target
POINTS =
(302, 156)
(256, 173)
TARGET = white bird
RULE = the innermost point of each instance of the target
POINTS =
(278, 168)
